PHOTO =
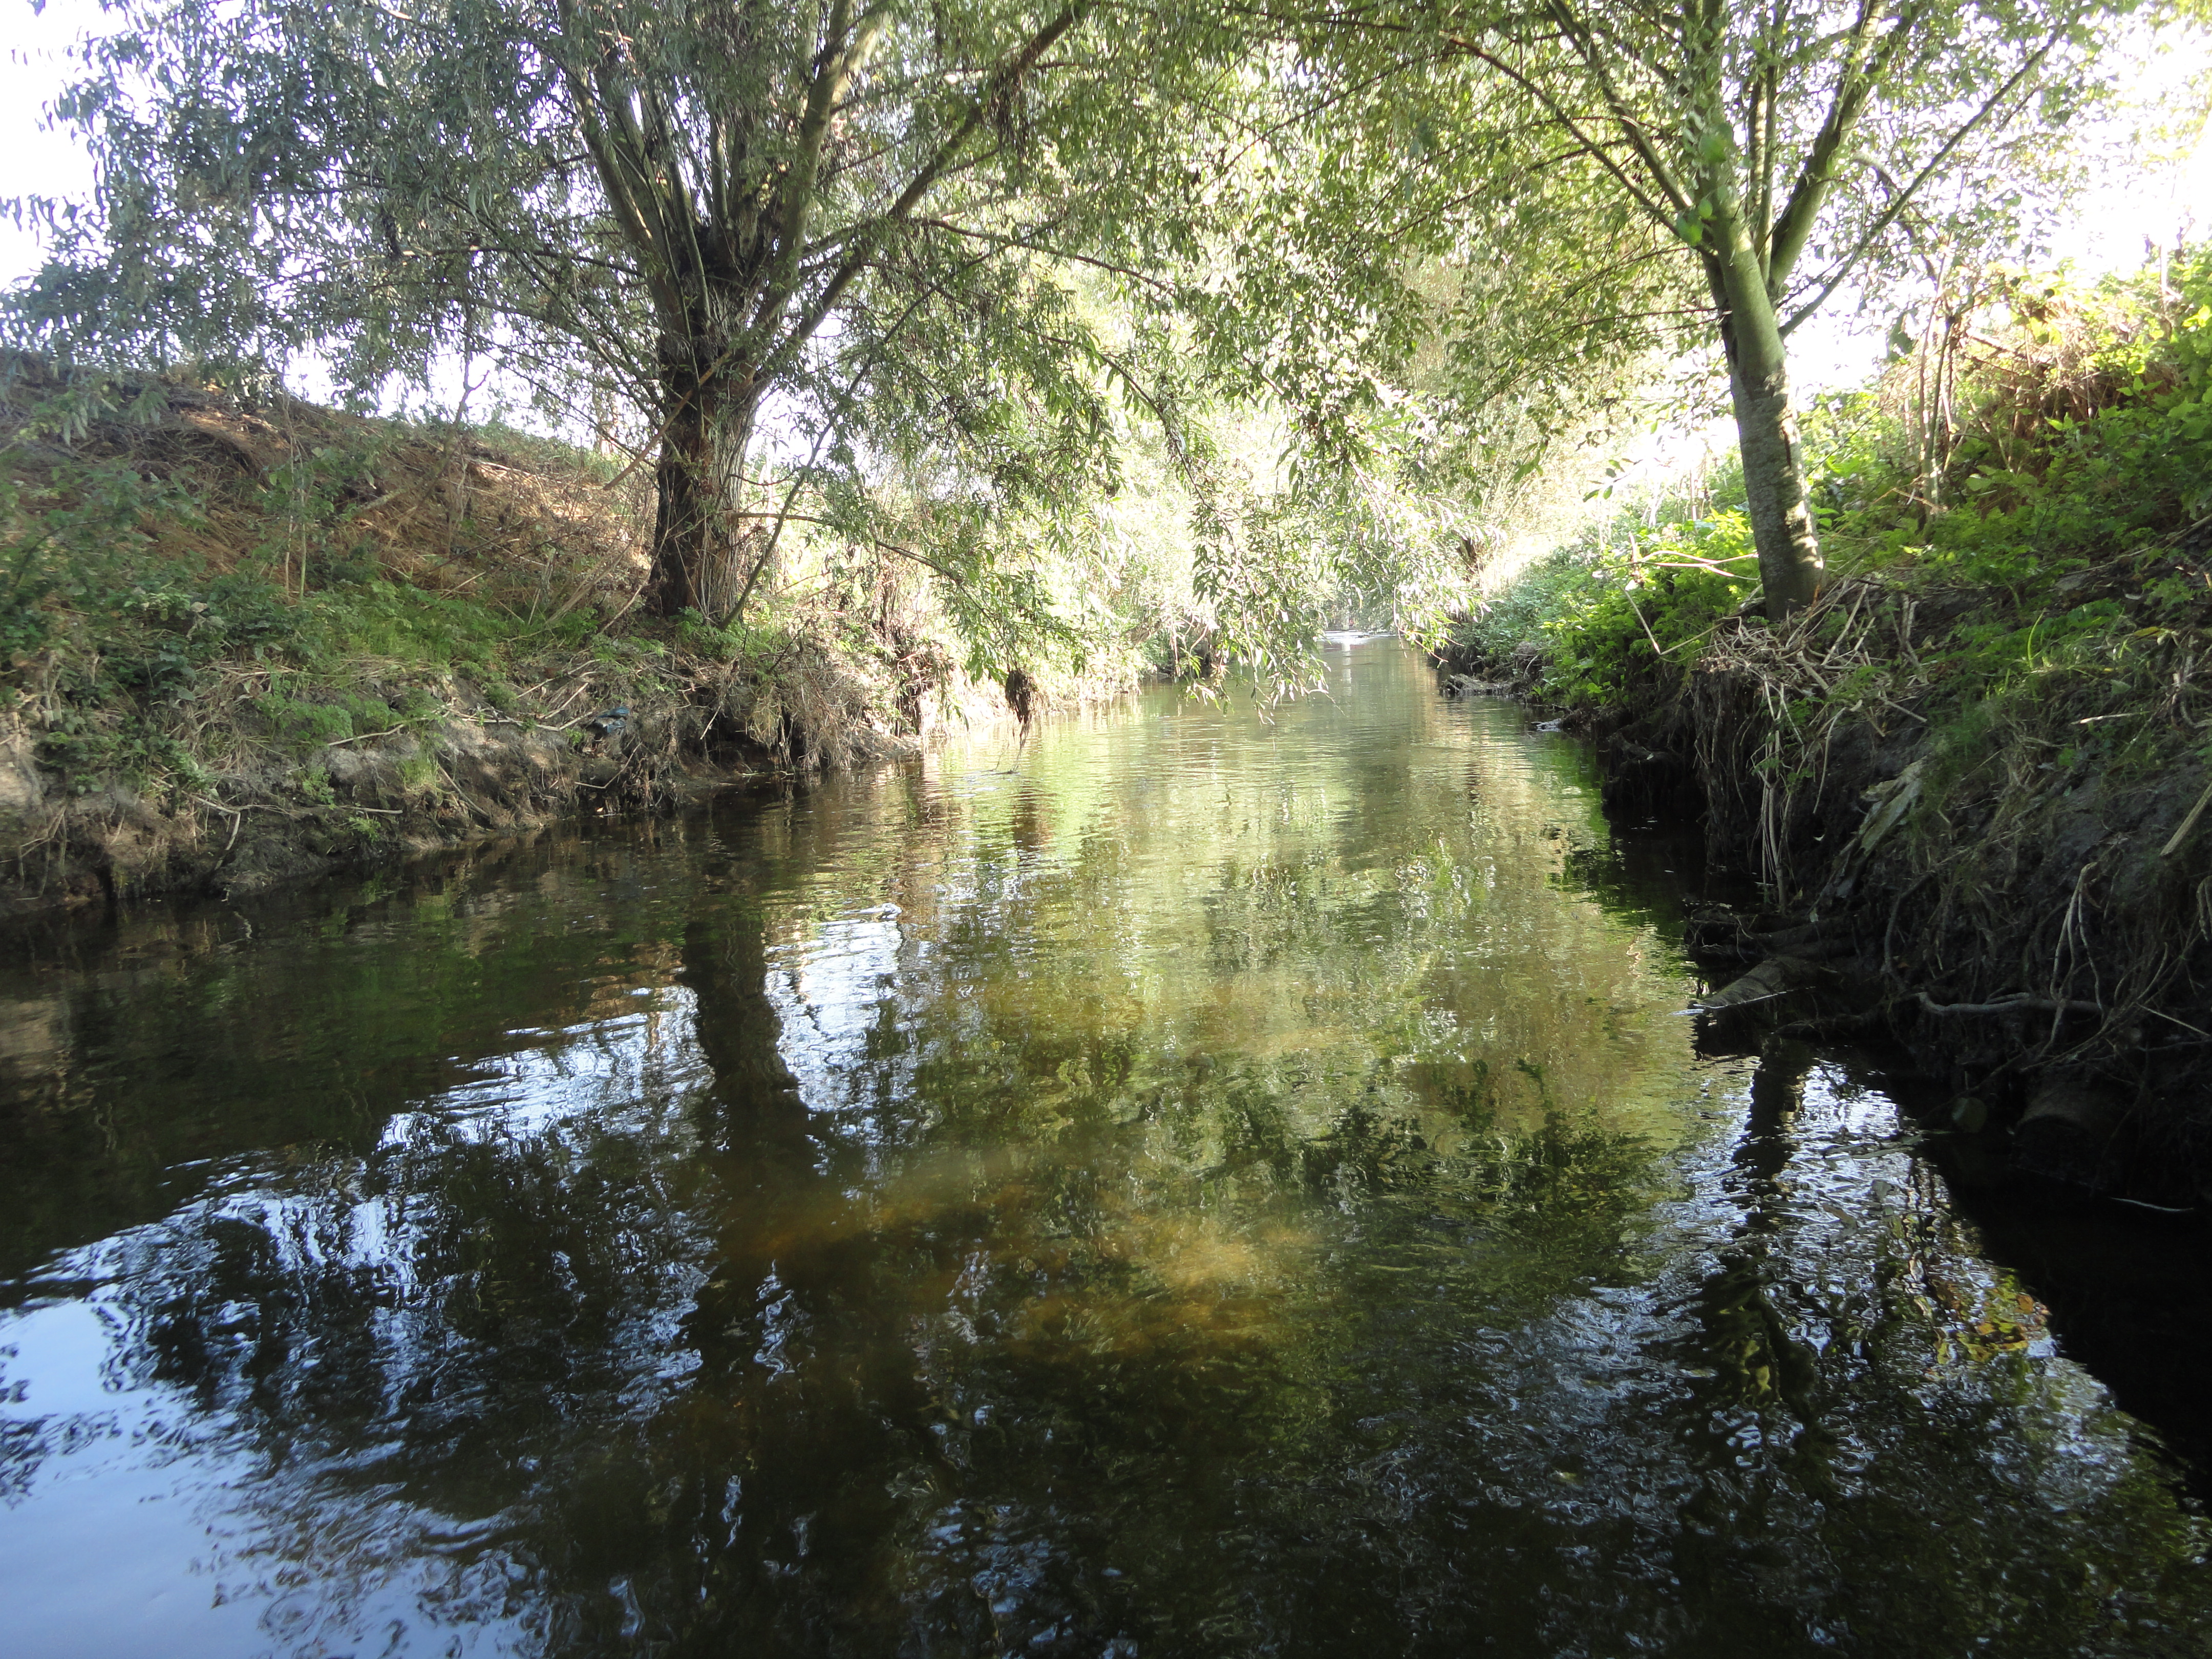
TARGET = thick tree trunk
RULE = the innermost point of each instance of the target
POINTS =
(699, 539)
(1789, 566)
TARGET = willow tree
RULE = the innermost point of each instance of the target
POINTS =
(1771, 150)
(734, 213)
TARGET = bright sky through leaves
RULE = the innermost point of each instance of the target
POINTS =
(2110, 232)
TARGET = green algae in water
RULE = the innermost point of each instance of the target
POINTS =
(1186, 1184)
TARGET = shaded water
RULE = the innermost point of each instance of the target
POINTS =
(1184, 1186)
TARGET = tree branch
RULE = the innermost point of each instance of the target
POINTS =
(941, 161)
(1903, 198)
(1854, 86)
(834, 68)
(1559, 115)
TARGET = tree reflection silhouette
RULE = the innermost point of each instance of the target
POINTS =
(1203, 1191)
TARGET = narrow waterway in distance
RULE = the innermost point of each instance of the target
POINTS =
(1188, 1183)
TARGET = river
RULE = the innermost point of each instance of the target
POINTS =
(1186, 1182)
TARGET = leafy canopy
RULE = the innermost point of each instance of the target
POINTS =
(845, 229)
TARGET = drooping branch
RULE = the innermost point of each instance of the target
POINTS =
(926, 177)
(1624, 116)
(1566, 120)
(1902, 199)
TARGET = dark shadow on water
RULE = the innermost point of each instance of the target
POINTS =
(2130, 1298)
(2128, 1294)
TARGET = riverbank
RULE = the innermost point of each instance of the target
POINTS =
(1972, 778)
(243, 643)
(2012, 881)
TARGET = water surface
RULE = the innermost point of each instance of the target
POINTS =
(1187, 1183)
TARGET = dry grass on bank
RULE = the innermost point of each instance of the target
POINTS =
(528, 526)
(2031, 839)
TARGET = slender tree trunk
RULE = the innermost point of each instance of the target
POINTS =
(1789, 566)
(698, 534)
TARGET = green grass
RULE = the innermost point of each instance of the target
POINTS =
(115, 627)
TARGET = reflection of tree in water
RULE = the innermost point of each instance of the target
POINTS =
(1032, 1396)
(919, 1394)
(401, 1355)
(1072, 1295)
(1742, 1339)
(1879, 1462)
(379, 1348)
(1388, 1382)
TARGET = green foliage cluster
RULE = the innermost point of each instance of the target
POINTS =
(2080, 437)
(2084, 443)
(860, 217)
(120, 621)
(1629, 602)
(2083, 430)
(78, 557)
(1585, 188)
(97, 627)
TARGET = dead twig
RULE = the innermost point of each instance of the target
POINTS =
(364, 737)
(2188, 823)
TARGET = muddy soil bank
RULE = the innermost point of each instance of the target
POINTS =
(475, 773)
(343, 806)
(2028, 915)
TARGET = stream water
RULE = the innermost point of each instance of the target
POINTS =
(1185, 1184)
